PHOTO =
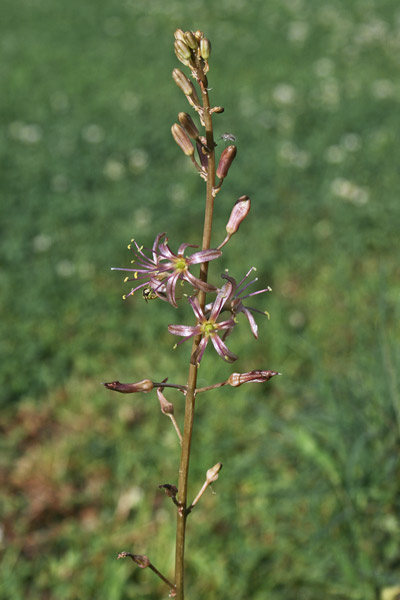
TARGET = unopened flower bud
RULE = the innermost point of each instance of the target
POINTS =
(182, 82)
(237, 379)
(179, 35)
(239, 212)
(212, 474)
(225, 161)
(130, 388)
(141, 560)
(191, 40)
(199, 34)
(182, 48)
(182, 139)
(205, 48)
(166, 407)
(187, 123)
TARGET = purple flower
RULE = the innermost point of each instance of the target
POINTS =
(208, 327)
(162, 271)
(234, 302)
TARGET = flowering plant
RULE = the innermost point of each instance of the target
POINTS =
(157, 271)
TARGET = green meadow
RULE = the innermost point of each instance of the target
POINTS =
(307, 503)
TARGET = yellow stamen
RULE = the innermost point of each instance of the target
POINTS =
(129, 246)
(126, 279)
(135, 275)
(268, 315)
(133, 239)
(124, 297)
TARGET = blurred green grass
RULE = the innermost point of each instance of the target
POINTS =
(307, 505)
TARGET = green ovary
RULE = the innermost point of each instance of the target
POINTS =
(180, 264)
(208, 328)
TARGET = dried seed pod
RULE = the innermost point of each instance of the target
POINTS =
(191, 40)
(182, 139)
(187, 123)
(130, 388)
(182, 82)
(205, 48)
(225, 161)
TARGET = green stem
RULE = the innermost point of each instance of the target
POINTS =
(192, 377)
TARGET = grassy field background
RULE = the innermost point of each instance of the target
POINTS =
(307, 505)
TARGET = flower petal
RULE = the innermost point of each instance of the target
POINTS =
(198, 283)
(251, 320)
(223, 296)
(171, 285)
(197, 309)
(223, 349)
(203, 256)
(184, 330)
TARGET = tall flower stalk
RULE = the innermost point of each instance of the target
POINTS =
(156, 272)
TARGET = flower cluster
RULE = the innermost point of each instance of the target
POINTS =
(160, 273)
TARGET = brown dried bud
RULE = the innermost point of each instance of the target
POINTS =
(182, 139)
(187, 123)
(237, 379)
(179, 35)
(170, 490)
(217, 109)
(141, 560)
(212, 474)
(166, 407)
(191, 40)
(130, 388)
(182, 48)
(199, 34)
(182, 82)
(201, 143)
(239, 212)
(225, 161)
(205, 48)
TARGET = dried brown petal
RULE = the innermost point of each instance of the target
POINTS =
(237, 379)
(130, 388)
(140, 559)
(170, 490)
